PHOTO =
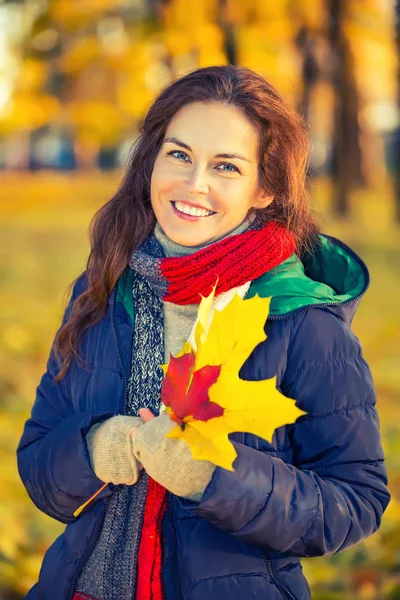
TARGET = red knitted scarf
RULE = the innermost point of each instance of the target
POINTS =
(149, 583)
(233, 261)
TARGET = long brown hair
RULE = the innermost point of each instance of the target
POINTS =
(123, 222)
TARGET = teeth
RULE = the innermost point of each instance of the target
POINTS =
(191, 210)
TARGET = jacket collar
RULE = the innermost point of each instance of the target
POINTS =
(334, 278)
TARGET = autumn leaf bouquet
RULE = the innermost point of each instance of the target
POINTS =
(203, 393)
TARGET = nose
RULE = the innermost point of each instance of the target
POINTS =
(197, 181)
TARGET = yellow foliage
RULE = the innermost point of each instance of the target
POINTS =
(314, 14)
(181, 14)
(178, 42)
(73, 13)
(102, 120)
(208, 36)
(27, 112)
(249, 406)
(81, 54)
(32, 75)
(134, 99)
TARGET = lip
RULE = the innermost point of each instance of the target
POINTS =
(186, 217)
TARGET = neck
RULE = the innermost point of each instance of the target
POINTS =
(171, 248)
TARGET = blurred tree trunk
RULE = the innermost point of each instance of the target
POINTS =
(227, 27)
(310, 69)
(346, 155)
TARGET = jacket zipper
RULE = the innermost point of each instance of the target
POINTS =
(284, 591)
(175, 577)
(96, 534)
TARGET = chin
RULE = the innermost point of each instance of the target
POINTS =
(188, 241)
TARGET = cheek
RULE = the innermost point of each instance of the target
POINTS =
(163, 177)
(233, 197)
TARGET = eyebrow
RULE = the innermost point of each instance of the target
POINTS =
(173, 140)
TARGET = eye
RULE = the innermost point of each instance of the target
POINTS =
(173, 152)
(180, 155)
(229, 165)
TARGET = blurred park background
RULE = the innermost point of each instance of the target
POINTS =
(75, 77)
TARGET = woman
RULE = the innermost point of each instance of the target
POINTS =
(215, 189)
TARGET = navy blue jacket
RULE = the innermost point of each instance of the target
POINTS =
(318, 488)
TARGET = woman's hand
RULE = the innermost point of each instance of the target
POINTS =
(110, 450)
(169, 461)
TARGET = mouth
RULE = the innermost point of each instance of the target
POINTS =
(190, 213)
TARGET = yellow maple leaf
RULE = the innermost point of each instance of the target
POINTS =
(227, 338)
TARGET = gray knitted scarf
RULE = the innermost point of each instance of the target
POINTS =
(110, 573)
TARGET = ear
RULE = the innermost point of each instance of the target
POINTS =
(262, 200)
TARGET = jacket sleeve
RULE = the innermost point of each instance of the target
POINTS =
(52, 455)
(333, 491)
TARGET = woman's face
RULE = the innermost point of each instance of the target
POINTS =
(205, 177)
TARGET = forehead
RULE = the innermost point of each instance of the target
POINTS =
(219, 127)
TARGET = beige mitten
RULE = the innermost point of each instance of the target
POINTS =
(169, 461)
(110, 449)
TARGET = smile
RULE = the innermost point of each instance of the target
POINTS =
(191, 211)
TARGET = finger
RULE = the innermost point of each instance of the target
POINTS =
(132, 431)
(146, 415)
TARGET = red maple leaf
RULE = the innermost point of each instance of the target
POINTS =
(193, 400)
